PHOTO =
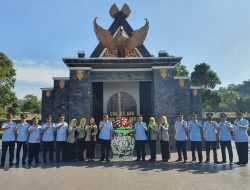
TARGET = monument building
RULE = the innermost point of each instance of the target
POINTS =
(121, 77)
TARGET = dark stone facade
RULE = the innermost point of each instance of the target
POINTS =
(75, 99)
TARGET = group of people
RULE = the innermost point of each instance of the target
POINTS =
(69, 142)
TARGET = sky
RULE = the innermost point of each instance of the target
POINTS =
(36, 35)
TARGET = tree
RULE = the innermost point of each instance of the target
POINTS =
(204, 76)
(7, 82)
(31, 104)
(229, 99)
(210, 100)
(181, 71)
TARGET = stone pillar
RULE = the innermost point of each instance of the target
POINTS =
(196, 99)
(80, 92)
(60, 92)
(163, 91)
(183, 101)
(47, 102)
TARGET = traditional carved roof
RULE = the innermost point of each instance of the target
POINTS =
(120, 40)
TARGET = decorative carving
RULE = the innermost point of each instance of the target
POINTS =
(80, 75)
(181, 83)
(126, 10)
(122, 41)
(61, 84)
(47, 93)
(113, 10)
(164, 73)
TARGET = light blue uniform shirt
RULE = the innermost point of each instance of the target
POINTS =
(35, 136)
(22, 135)
(194, 130)
(140, 131)
(48, 132)
(180, 130)
(9, 132)
(209, 129)
(240, 134)
(106, 131)
(225, 134)
(61, 132)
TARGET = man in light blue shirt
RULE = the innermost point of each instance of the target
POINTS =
(48, 138)
(22, 137)
(61, 138)
(225, 130)
(181, 132)
(34, 140)
(210, 135)
(8, 140)
(140, 128)
(105, 135)
(195, 132)
(241, 138)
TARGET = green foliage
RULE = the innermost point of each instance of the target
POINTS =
(7, 83)
(31, 104)
(181, 71)
(210, 100)
(204, 76)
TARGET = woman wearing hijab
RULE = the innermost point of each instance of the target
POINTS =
(80, 138)
(153, 132)
(71, 141)
(91, 132)
(164, 138)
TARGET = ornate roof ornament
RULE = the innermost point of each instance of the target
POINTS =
(122, 41)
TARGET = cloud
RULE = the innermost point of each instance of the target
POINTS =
(40, 73)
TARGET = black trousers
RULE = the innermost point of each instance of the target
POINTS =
(181, 147)
(242, 150)
(196, 146)
(34, 149)
(165, 153)
(213, 145)
(152, 146)
(10, 145)
(140, 149)
(48, 147)
(105, 149)
(70, 152)
(80, 143)
(90, 145)
(20, 145)
(226, 145)
(60, 151)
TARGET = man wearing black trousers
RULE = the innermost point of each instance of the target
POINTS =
(210, 136)
(140, 138)
(225, 130)
(241, 138)
(195, 135)
(181, 132)
(48, 138)
(61, 138)
(8, 140)
(22, 137)
(105, 136)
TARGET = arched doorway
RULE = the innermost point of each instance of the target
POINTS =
(121, 103)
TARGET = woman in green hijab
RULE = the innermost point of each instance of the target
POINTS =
(80, 138)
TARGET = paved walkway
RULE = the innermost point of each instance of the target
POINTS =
(127, 175)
